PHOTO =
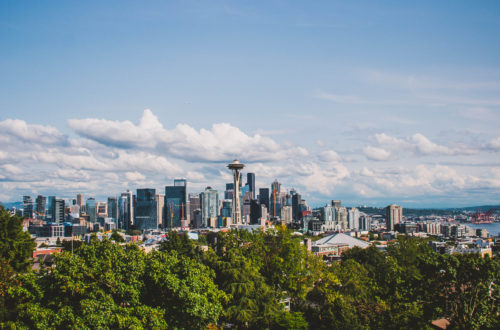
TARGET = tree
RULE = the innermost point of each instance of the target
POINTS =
(16, 246)
(469, 284)
(181, 244)
(184, 288)
(117, 237)
(105, 285)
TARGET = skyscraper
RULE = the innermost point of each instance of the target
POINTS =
(160, 202)
(393, 216)
(113, 208)
(194, 205)
(296, 199)
(209, 207)
(336, 203)
(353, 218)
(50, 208)
(228, 193)
(341, 218)
(27, 207)
(264, 197)
(125, 210)
(176, 206)
(58, 208)
(251, 183)
(146, 209)
(101, 209)
(41, 201)
(79, 199)
(91, 209)
(275, 202)
(255, 212)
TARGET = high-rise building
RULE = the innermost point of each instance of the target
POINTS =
(160, 202)
(58, 209)
(125, 210)
(336, 203)
(79, 199)
(296, 199)
(227, 209)
(91, 209)
(176, 206)
(251, 183)
(74, 211)
(194, 204)
(341, 218)
(264, 197)
(41, 201)
(50, 208)
(27, 207)
(113, 208)
(101, 209)
(328, 217)
(393, 216)
(286, 214)
(275, 202)
(353, 218)
(209, 207)
(228, 193)
(364, 222)
(146, 211)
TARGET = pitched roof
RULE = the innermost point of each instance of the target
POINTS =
(341, 238)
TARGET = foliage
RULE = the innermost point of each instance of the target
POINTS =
(471, 291)
(116, 237)
(103, 285)
(73, 244)
(133, 232)
(242, 282)
(16, 246)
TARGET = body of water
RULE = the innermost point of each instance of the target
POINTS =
(492, 228)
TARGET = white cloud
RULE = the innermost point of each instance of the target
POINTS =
(134, 176)
(12, 169)
(39, 134)
(391, 142)
(329, 156)
(375, 153)
(426, 147)
(119, 155)
(494, 144)
(72, 175)
(221, 141)
(322, 179)
(338, 98)
(417, 144)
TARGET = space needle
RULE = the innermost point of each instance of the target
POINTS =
(236, 167)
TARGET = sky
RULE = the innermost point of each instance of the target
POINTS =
(370, 102)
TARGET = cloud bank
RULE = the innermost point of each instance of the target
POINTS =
(105, 157)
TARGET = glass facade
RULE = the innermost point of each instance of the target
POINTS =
(146, 212)
(209, 206)
(176, 207)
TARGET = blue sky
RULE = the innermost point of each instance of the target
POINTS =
(369, 102)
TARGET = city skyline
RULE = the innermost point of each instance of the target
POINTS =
(369, 103)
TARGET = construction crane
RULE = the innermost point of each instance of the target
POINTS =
(480, 217)
(171, 208)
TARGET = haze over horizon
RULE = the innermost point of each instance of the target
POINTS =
(368, 102)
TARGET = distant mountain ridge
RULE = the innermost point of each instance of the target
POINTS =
(10, 205)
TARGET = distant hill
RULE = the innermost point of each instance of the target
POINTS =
(17, 205)
(482, 208)
(431, 211)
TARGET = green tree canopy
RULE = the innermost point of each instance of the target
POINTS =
(16, 246)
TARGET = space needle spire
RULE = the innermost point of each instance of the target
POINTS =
(236, 167)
